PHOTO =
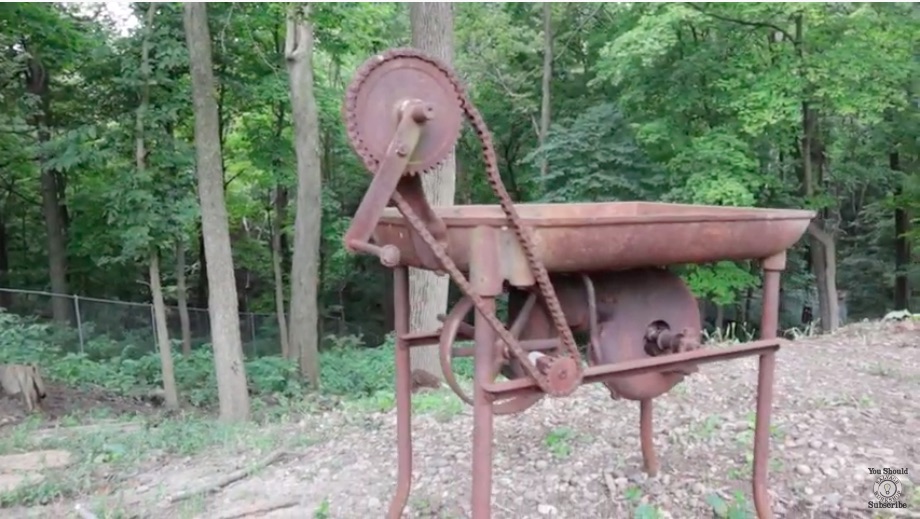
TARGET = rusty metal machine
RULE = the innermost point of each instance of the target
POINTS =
(592, 268)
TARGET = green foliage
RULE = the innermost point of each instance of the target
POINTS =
(594, 158)
(736, 508)
(720, 282)
(348, 368)
(691, 103)
(131, 374)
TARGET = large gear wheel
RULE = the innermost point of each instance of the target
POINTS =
(374, 96)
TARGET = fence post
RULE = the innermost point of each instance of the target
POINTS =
(76, 310)
(252, 329)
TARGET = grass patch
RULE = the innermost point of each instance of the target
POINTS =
(112, 449)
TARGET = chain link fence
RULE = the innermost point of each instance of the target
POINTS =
(93, 322)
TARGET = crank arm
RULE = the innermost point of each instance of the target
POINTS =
(386, 179)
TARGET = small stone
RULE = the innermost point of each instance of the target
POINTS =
(879, 452)
(803, 469)
(542, 465)
(830, 472)
(698, 488)
(373, 503)
(36, 460)
(808, 491)
(815, 444)
(621, 482)
(832, 499)
(544, 509)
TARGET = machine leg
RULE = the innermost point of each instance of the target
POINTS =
(646, 433)
(484, 359)
(403, 394)
(767, 367)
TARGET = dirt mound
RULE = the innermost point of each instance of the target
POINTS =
(73, 402)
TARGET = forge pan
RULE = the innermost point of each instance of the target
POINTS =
(607, 236)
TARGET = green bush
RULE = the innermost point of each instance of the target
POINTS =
(122, 369)
(347, 367)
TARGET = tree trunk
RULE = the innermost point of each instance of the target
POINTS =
(38, 84)
(547, 80)
(156, 291)
(821, 243)
(5, 297)
(163, 345)
(901, 244)
(277, 224)
(828, 275)
(201, 289)
(223, 306)
(433, 33)
(182, 297)
(304, 331)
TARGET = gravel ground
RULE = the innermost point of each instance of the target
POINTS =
(844, 403)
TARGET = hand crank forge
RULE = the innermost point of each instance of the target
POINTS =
(404, 111)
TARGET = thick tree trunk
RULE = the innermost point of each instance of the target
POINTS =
(222, 301)
(182, 297)
(38, 84)
(277, 224)
(432, 32)
(547, 80)
(901, 245)
(304, 331)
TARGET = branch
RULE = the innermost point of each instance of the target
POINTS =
(761, 25)
(296, 32)
(233, 477)
(820, 234)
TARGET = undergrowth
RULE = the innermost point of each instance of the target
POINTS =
(348, 368)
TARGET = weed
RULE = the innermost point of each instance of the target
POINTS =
(708, 427)
(880, 370)
(646, 511)
(735, 508)
(633, 494)
(322, 511)
(558, 442)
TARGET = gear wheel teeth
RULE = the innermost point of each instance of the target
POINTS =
(523, 233)
(436, 152)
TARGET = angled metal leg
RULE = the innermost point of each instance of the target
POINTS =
(769, 321)
(646, 433)
(403, 394)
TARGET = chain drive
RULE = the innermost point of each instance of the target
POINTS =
(522, 232)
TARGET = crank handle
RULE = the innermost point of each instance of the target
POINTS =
(388, 254)
(412, 116)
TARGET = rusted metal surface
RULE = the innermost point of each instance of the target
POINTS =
(376, 94)
(369, 214)
(404, 112)
(599, 237)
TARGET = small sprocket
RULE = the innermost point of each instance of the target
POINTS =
(372, 101)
